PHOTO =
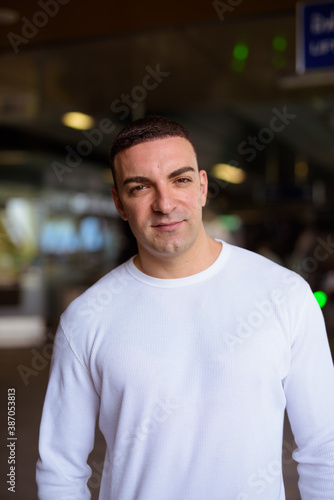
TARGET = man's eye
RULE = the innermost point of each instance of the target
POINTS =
(183, 180)
(137, 188)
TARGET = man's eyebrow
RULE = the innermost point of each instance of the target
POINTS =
(180, 171)
(139, 179)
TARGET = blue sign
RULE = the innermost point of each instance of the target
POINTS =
(315, 36)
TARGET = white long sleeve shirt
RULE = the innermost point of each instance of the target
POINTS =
(189, 379)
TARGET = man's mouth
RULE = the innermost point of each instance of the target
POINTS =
(168, 226)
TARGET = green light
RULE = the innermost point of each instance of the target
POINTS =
(231, 222)
(279, 61)
(321, 298)
(240, 52)
(280, 43)
(238, 66)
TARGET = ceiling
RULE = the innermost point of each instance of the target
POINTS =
(90, 57)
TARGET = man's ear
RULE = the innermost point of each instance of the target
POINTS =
(118, 203)
(204, 186)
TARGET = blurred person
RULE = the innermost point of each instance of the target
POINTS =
(187, 354)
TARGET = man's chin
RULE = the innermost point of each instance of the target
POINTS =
(168, 250)
(164, 249)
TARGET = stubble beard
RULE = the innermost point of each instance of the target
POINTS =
(171, 244)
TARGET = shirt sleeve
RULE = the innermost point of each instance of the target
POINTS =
(309, 390)
(67, 428)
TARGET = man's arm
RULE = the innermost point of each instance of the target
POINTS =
(67, 427)
(309, 390)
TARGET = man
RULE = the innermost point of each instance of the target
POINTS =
(188, 354)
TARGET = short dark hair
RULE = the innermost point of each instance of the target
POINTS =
(146, 129)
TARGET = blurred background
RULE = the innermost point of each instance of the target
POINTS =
(253, 81)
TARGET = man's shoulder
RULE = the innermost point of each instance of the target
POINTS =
(99, 295)
(252, 265)
(248, 257)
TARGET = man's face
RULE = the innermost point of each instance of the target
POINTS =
(161, 194)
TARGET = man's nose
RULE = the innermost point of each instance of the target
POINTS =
(164, 201)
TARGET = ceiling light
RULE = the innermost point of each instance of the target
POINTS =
(229, 173)
(8, 16)
(77, 120)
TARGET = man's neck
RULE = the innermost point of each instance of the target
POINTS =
(196, 259)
